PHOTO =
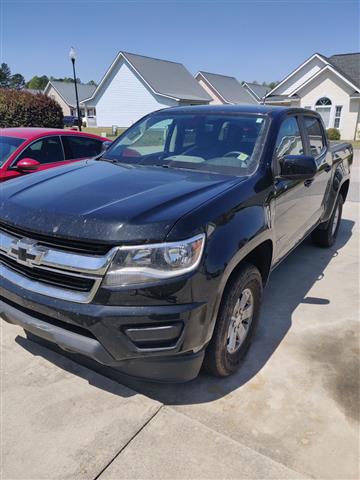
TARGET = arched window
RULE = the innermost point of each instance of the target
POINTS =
(323, 101)
(323, 107)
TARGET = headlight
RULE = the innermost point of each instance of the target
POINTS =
(142, 264)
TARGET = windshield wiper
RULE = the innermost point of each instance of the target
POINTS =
(109, 160)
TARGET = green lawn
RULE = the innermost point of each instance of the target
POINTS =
(101, 130)
(355, 143)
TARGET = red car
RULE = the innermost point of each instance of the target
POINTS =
(26, 150)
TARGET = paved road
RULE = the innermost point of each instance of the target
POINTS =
(354, 193)
(291, 412)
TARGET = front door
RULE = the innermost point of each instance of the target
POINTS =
(290, 216)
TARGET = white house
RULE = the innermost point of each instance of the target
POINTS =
(330, 86)
(135, 85)
(224, 89)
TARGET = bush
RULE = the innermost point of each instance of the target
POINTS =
(333, 134)
(24, 109)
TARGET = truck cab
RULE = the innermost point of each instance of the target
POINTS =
(152, 258)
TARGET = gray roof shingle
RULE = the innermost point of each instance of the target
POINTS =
(229, 88)
(67, 91)
(259, 90)
(349, 65)
(167, 78)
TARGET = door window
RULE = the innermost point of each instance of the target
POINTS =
(81, 147)
(46, 150)
(289, 141)
(315, 136)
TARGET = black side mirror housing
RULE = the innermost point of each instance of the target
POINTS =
(297, 167)
(105, 146)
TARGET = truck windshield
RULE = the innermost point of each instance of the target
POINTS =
(8, 145)
(218, 143)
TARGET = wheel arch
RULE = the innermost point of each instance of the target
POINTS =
(260, 256)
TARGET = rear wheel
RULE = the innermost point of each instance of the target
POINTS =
(325, 237)
(236, 323)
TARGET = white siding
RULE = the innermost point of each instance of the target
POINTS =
(300, 77)
(330, 85)
(124, 98)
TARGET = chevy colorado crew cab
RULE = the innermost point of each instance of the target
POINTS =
(152, 258)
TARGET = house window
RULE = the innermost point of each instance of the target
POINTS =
(323, 107)
(338, 109)
(324, 101)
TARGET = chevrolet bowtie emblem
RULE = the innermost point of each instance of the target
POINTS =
(26, 252)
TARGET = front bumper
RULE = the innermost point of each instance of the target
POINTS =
(157, 342)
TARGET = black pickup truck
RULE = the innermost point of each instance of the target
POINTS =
(152, 258)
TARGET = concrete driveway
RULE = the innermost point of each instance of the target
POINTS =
(292, 411)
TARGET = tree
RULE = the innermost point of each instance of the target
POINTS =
(5, 75)
(17, 81)
(272, 85)
(65, 79)
(92, 82)
(38, 83)
(23, 109)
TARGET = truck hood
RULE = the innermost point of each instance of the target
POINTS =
(104, 202)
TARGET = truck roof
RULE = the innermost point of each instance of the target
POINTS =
(238, 108)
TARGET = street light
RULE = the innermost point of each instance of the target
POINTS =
(72, 55)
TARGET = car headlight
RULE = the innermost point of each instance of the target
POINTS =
(142, 264)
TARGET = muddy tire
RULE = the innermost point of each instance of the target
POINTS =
(325, 237)
(236, 322)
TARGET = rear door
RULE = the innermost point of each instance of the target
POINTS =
(316, 145)
(77, 147)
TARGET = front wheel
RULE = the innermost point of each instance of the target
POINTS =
(325, 237)
(236, 322)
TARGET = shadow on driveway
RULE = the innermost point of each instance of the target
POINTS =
(287, 288)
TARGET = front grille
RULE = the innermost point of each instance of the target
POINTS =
(57, 242)
(80, 284)
(48, 268)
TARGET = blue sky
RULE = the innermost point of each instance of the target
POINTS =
(253, 40)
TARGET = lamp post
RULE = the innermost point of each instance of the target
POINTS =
(72, 55)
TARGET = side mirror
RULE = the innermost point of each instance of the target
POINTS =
(27, 165)
(297, 167)
(105, 146)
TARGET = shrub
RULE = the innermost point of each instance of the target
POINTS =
(333, 134)
(24, 109)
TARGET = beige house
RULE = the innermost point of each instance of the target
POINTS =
(224, 89)
(64, 94)
(331, 86)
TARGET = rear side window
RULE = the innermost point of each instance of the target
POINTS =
(46, 150)
(81, 147)
(315, 135)
(289, 141)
